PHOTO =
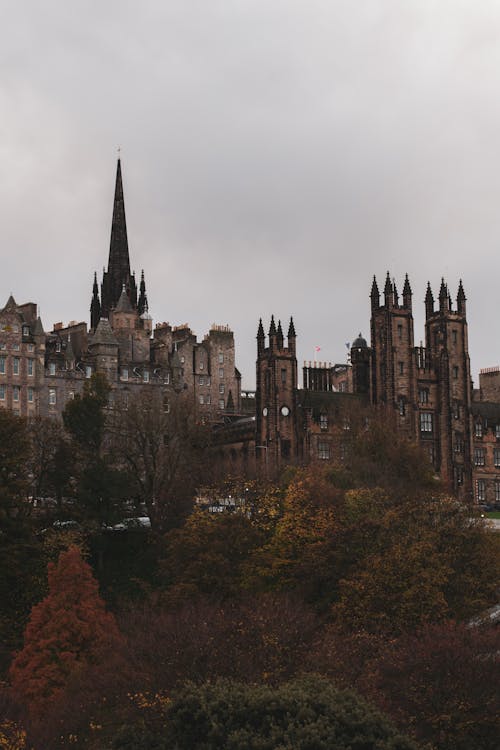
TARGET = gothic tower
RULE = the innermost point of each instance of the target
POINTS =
(275, 397)
(393, 374)
(447, 349)
(118, 273)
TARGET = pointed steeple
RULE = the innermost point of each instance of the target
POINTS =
(443, 297)
(395, 292)
(272, 327)
(407, 294)
(461, 299)
(260, 337)
(292, 337)
(429, 301)
(142, 304)
(118, 272)
(388, 292)
(375, 294)
(279, 335)
(95, 305)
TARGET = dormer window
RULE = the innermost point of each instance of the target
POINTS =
(52, 368)
(26, 331)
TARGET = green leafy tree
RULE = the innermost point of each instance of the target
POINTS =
(302, 714)
(14, 455)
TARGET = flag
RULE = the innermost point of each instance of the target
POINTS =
(317, 348)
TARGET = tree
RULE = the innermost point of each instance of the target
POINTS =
(442, 684)
(68, 632)
(84, 416)
(14, 454)
(304, 713)
(164, 450)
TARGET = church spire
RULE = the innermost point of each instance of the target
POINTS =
(118, 272)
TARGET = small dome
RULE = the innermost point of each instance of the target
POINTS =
(360, 343)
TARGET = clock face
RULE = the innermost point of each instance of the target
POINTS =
(285, 411)
(264, 411)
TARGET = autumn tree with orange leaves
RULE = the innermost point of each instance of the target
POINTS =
(68, 633)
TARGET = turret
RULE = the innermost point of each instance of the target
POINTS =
(272, 334)
(261, 338)
(388, 292)
(444, 298)
(407, 294)
(292, 337)
(461, 299)
(95, 305)
(142, 304)
(429, 301)
(279, 336)
(375, 295)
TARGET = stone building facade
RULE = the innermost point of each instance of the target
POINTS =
(40, 371)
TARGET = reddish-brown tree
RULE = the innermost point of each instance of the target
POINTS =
(68, 633)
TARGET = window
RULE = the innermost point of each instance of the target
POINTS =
(324, 451)
(347, 423)
(454, 337)
(221, 387)
(456, 410)
(15, 393)
(400, 331)
(166, 405)
(431, 453)
(423, 395)
(323, 421)
(496, 457)
(30, 395)
(3, 347)
(2, 365)
(26, 331)
(401, 367)
(58, 346)
(71, 395)
(455, 371)
(459, 443)
(88, 371)
(201, 380)
(124, 373)
(52, 396)
(221, 372)
(221, 403)
(478, 456)
(15, 366)
(478, 429)
(480, 490)
(283, 375)
(459, 475)
(29, 365)
(497, 490)
(167, 378)
(183, 359)
(425, 422)
(201, 399)
(2, 392)
(221, 358)
(401, 406)
(343, 386)
(208, 398)
(145, 376)
(52, 368)
(31, 347)
(209, 380)
(497, 430)
(16, 347)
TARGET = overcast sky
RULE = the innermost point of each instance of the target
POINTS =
(276, 154)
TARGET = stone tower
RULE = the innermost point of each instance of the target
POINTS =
(276, 438)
